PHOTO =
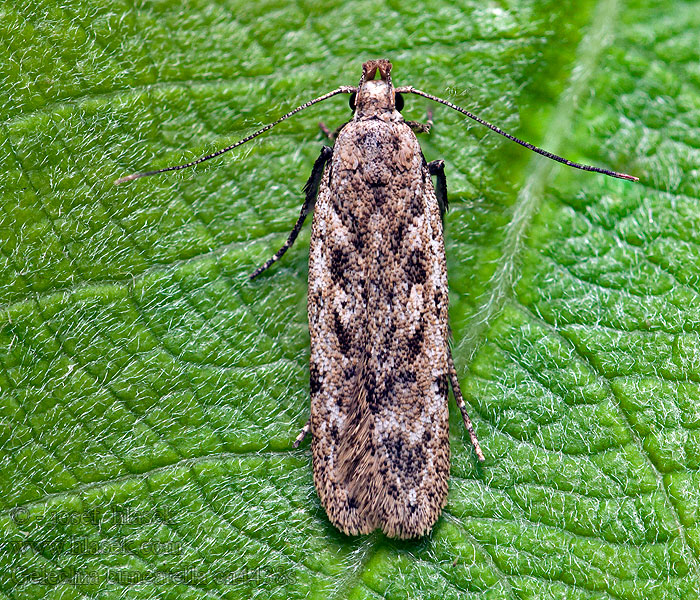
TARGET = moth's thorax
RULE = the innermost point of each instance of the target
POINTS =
(376, 100)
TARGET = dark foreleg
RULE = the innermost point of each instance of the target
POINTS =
(419, 127)
(311, 190)
(437, 167)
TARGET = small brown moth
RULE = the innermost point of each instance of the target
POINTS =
(377, 304)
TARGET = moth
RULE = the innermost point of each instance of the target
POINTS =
(377, 305)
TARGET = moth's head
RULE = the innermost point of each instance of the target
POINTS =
(375, 96)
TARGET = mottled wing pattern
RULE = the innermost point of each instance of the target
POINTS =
(378, 324)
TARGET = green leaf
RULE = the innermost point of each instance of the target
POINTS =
(151, 394)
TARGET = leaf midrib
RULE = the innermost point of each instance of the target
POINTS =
(528, 200)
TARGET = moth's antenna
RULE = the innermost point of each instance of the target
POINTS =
(410, 90)
(341, 90)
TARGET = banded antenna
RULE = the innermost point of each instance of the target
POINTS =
(411, 90)
(341, 90)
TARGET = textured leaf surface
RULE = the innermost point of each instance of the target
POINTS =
(151, 394)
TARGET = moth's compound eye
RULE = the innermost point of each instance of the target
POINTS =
(353, 97)
(399, 102)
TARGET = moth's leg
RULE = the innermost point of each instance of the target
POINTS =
(331, 135)
(302, 434)
(462, 407)
(311, 189)
(437, 167)
(419, 127)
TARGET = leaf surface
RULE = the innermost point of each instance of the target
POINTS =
(151, 394)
